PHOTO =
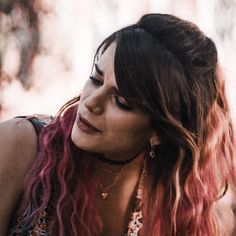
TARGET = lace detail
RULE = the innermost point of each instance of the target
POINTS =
(39, 225)
(45, 119)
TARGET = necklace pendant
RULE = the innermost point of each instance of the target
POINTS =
(104, 195)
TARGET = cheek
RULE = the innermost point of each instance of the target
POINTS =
(85, 91)
(129, 129)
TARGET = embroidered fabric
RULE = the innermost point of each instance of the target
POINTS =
(136, 220)
(40, 226)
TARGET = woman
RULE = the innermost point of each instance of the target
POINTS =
(146, 149)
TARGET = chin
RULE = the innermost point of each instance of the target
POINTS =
(75, 136)
(80, 141)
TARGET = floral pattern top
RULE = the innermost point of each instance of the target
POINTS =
(39, 227)
(136, 220)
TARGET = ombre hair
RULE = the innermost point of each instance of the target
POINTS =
(169, 68)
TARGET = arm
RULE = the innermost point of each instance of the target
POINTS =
(225, 211)
(18, 148)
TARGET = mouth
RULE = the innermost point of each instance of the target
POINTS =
(85, 125)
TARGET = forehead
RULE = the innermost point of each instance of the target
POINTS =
(105, 64)
(105, 60)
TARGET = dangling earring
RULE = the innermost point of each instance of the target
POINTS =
(152, 152)
(154, 141)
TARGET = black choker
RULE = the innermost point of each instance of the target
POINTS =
(114, 162)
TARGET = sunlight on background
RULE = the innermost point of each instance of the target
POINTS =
(68, 35)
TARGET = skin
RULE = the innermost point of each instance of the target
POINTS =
(18, 149)
(123, 133)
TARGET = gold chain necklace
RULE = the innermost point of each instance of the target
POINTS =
(119, 174)
(109, 171)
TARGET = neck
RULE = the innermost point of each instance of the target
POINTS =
(116, 208)
(129, 168)
(122, 179)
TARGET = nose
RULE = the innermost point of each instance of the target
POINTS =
(95, 102)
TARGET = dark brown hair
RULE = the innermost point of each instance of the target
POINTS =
(169, 68)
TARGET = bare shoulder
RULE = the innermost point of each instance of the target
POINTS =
(17, 138)
(18, 149)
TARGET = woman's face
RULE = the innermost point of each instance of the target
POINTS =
(105, 122)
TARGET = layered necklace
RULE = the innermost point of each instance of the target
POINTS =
(118, 175)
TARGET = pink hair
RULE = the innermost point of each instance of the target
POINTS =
(63, 173)
(185, 203)
(182, 204)
(185, 98)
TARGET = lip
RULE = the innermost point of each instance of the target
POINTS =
(86, 126)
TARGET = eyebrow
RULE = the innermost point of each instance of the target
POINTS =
(99, 71)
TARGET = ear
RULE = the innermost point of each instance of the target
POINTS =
(154, 139)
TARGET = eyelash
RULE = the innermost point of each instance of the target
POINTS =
(122, 105)
(97, 83)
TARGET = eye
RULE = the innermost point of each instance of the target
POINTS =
(95, 81)
(122, 104)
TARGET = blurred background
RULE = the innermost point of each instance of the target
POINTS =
(47, 46)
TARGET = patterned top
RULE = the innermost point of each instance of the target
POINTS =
(136, 220)
(39, 227)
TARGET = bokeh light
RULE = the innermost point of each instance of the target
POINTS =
(47, 47)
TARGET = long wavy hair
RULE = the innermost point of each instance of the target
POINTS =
(170, 69)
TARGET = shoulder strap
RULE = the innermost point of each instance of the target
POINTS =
(38, 121)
